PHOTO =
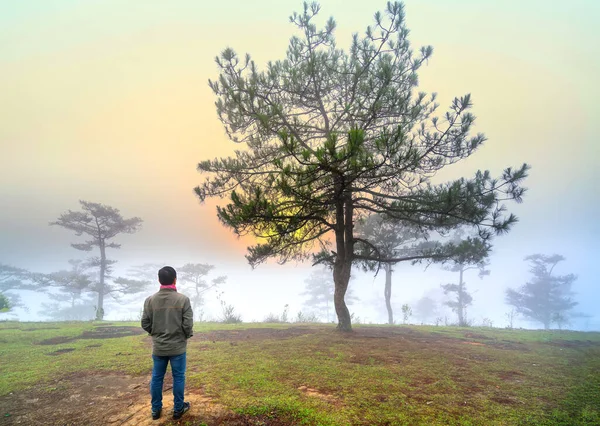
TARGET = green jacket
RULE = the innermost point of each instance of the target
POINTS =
(169, 319)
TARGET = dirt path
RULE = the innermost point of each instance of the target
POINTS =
(102, 399)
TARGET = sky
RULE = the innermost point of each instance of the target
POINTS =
(108, 101)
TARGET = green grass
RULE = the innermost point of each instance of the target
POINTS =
(376, 376)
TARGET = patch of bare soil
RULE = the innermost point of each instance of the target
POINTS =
(254, 334)
(57, 340)
(61, 351)
(107, 332)
(477, 336)
(574, 343)
(318, 394)
(511, 346)
(389, 333)
(511, 376)
(95, 399)
(505, 399)
(103, 332)
(39, 328)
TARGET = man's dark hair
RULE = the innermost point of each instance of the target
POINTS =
(167, 275)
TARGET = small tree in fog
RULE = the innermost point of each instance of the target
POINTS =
(194, 276)
(76, 287)
(547, 298)
(13, 280)
(101, 223)
(406, 312)
(510, 316)
(320, 288)
(425, 309)
(83, 311)
(333, 135)
(147, 272)
(5, 305)
(71, 284)
(392, 239)
(461, 299)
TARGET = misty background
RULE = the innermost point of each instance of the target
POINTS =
(108, 102)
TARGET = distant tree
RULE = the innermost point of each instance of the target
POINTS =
(462, 299)
(320, 289)
(425, 309)
(11, 277)
(144, 277)
(56, 311)
(71, 283)
(102, 223)
(194, 277)
(510, 316)
(146, 272)
(406, 312)
(14, 280)
(333, 135)
(5, 305)
(547, 298)
(393, 239)
(75, 286)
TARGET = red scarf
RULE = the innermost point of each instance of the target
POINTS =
(171, 286)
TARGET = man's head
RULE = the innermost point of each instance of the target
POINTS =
(167, 276)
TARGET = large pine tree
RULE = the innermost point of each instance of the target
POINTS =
(331, 136)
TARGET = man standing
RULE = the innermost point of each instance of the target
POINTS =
(168, 318)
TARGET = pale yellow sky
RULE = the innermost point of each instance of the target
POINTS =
(108, 101)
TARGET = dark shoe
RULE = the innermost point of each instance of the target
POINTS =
(177, 414)
(156, 415)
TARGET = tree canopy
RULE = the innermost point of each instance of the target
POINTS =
(101, 223)
(331, 136)
(547, 298)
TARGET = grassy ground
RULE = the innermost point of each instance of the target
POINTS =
(274, 374)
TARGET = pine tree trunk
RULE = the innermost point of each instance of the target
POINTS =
(460, 310)
(388, 292)
(341, 277)
(100, 307)
(344, 239)
(196, 300)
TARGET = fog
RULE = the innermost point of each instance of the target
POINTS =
(108, 102)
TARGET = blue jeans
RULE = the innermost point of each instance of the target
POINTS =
(158, 374)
